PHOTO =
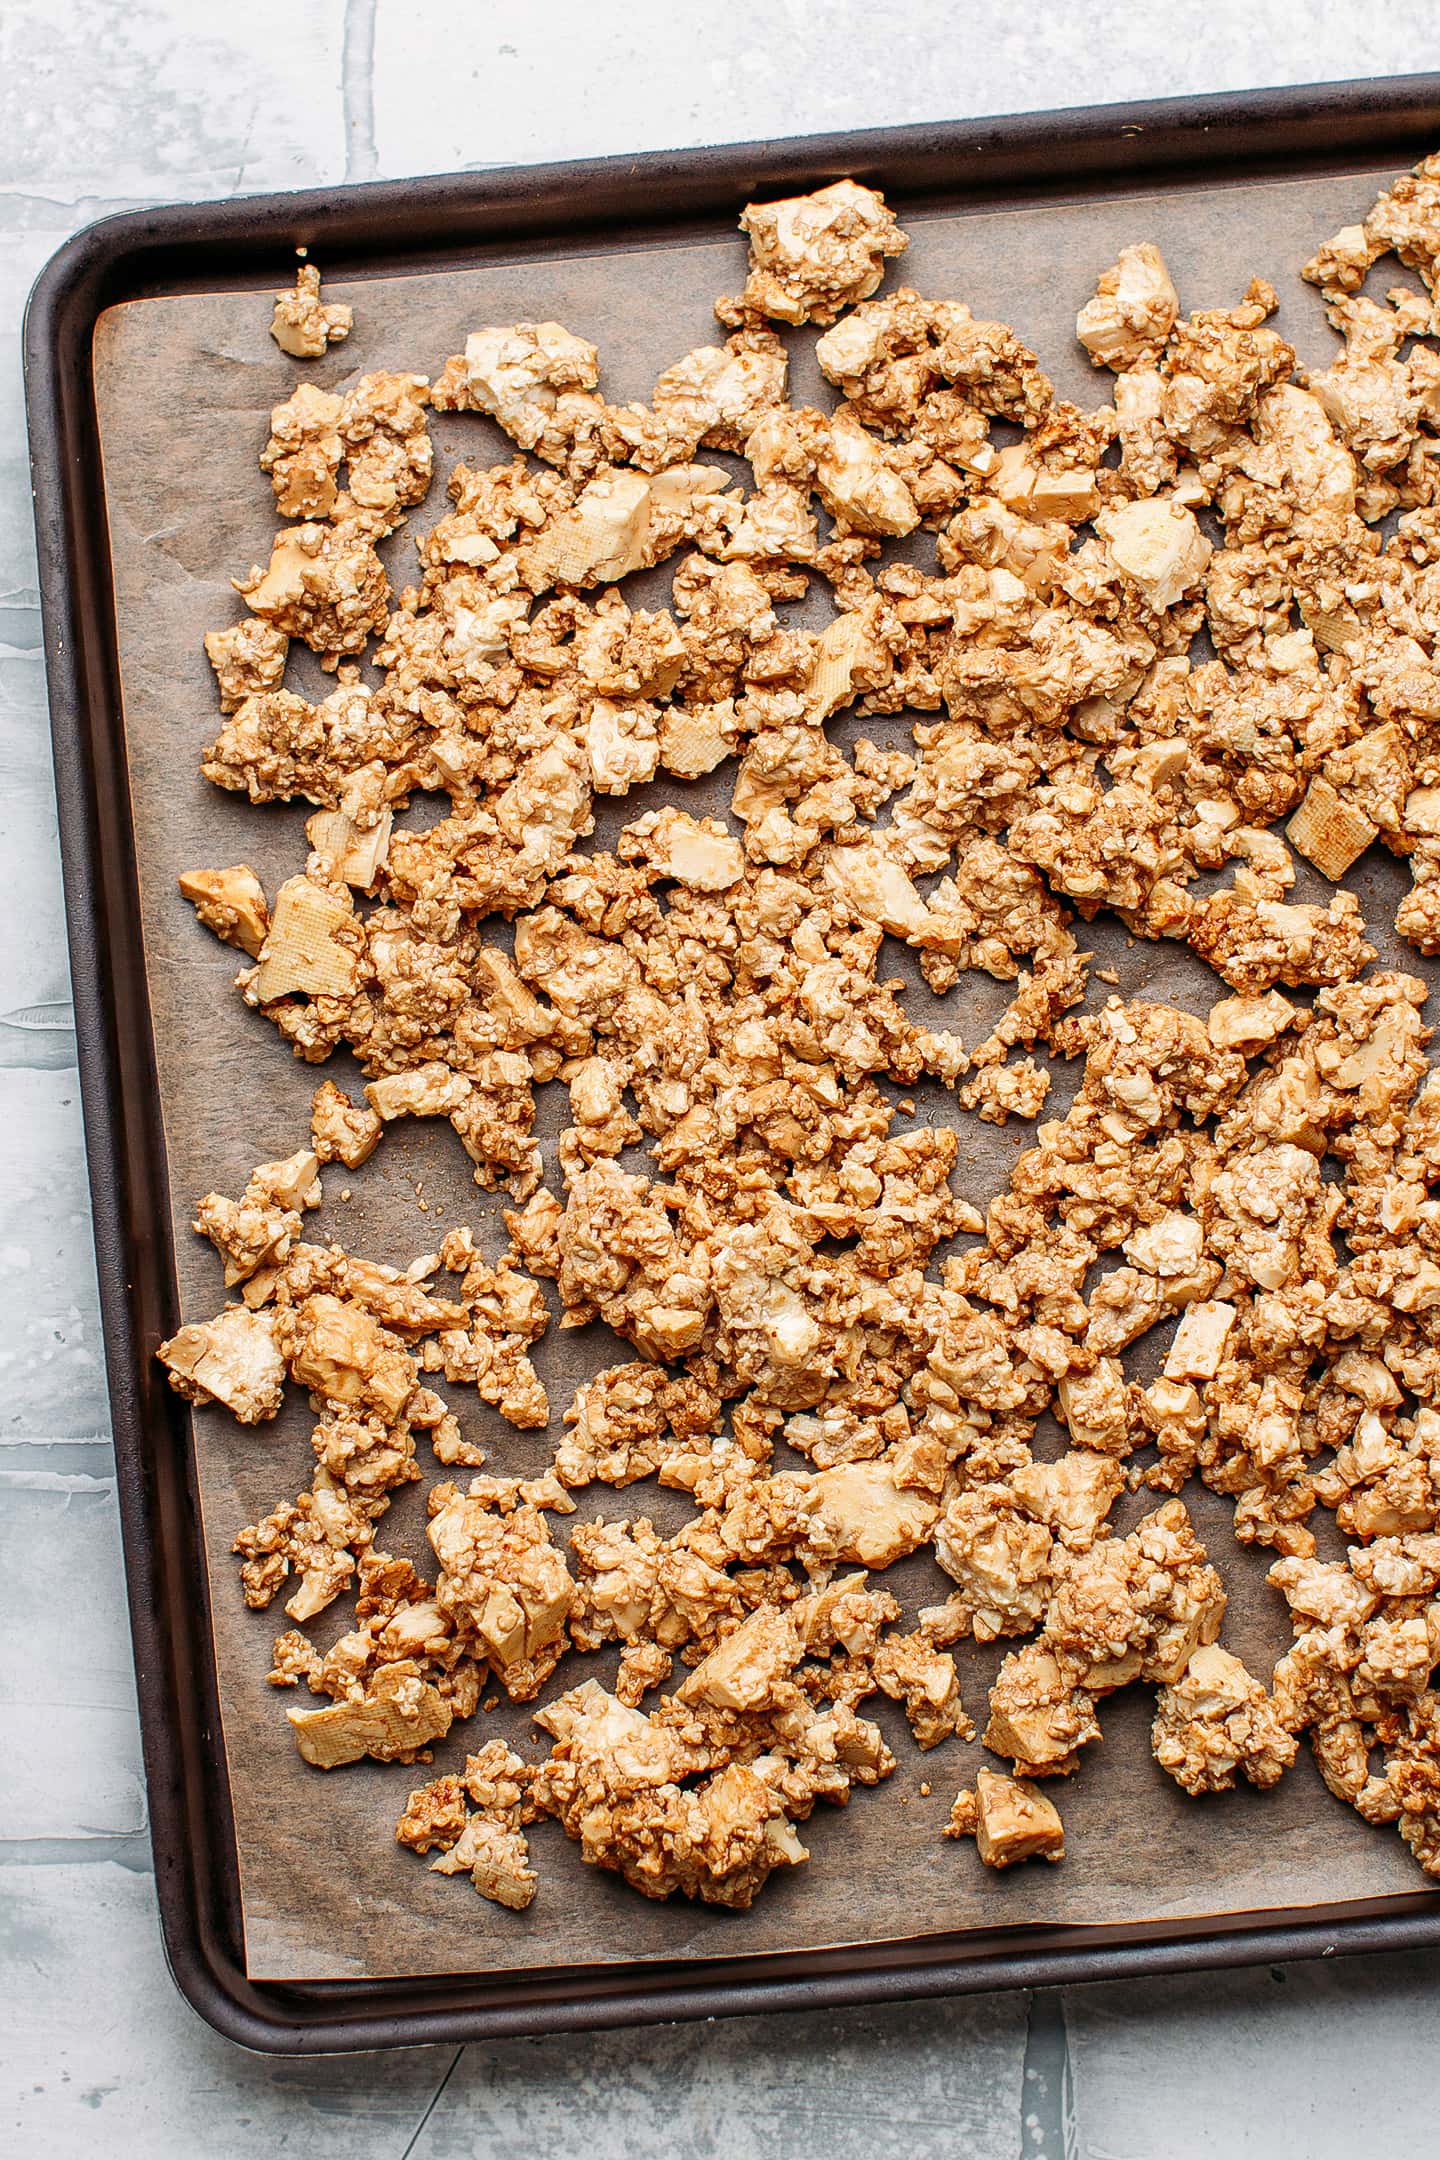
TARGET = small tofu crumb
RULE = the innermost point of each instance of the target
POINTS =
(231, 903)
(302, 326)
(1010, 1820)
(812, 255)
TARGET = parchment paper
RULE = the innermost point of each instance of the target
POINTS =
(184, 386)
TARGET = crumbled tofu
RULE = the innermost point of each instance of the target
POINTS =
(613, 1778)
(342, 1132)
(1127, 323)
(520, 375)
(355, 853)
(859, 486)
(1000, 1557)
(872, 1520)
(879, 890)
(1249, 1023)
(924, 1679)
(248, 659)
(435, 1816)
(489, 1843)
(1217, 1719)
(812, 255)
(324, 584)
(750, 1670)
(620, 522)
(1040, 1714)
(1158, 545)
(310, 946)
(303, 326)
(303, 454)
(1171, 1245)
(1339, 266)
(388, 454)
(431, 1090)
(718, 394)
(232, 1360)
(231, 903)
(1329, 831)
(1010, 1820)
(497, 1860)
(1071, 1496)
(697, 852)
(256, 1233)
(643, 1665)
(337, 1348)
(393, 1722)
(1200, 1340)
(504, 1584)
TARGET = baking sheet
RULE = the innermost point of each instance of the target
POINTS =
(183, 387)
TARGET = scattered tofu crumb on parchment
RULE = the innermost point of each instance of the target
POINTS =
(302, 325)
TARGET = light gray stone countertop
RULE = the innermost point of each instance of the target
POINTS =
(103, 107)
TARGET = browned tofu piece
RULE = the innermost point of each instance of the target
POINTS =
(1010, 1820)
(231, 903)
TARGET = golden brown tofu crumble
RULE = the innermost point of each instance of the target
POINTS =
(712, 994)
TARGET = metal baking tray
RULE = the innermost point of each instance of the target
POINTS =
(1069, 158)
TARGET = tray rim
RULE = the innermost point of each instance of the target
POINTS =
(167, 248)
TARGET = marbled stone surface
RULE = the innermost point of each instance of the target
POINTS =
(102, 108)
